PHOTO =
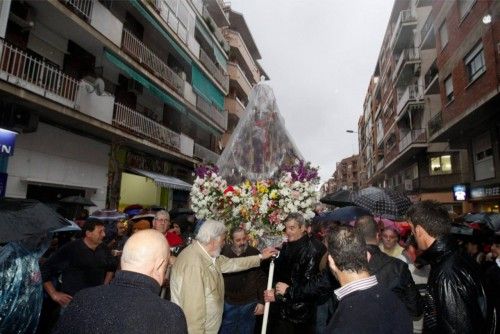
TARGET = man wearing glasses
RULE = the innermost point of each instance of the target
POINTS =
(161, 223)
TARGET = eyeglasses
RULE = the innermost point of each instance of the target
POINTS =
(162, 219)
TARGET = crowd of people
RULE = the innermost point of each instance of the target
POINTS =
(328, 278)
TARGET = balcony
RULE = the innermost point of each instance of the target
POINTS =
(431, 80)
(413, 137)
(207, 108)
(205, 154)
(30, 73)
(147, 58)
(218, 74)
(404, 69)
(141, 126)
(444, 181)
(403, 30)
(82, 8)
(409, 96)
(380, 164)
(234, 106)
(427, 36)
(237, 75)
(243, 55)
(435, 124)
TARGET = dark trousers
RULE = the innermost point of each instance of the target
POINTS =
(282, 326)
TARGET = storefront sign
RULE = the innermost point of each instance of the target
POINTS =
(3, 184)
(7, 142)
(485, 191)
(460, 192)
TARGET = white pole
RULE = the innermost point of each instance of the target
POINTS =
(266, 306)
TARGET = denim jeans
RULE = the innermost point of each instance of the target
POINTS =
(238, 319)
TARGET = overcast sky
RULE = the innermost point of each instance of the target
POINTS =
(320, 55)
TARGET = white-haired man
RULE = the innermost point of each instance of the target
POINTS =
(197, 285)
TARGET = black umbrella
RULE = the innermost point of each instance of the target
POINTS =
(339, 198)
(383, 202)
(78, 200)
(345, 214)
(20, 219)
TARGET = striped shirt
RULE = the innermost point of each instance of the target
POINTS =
(362, 284)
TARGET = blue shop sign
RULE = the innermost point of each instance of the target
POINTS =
(461, 192)
(7, 142)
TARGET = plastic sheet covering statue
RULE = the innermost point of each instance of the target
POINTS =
(260, 144)
(21, 293)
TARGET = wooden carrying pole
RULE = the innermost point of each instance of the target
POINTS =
(266, 306)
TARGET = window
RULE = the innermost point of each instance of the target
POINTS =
(474, 62)
(448, 88)
(484, 167)
(464, 6)
(443, 35)
(441, 165)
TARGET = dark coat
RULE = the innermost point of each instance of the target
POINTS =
(395, 275)
(460, 303)
(297, 263)
(372, 311)
(129, 304)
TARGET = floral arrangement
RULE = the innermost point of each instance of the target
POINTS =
(260, 207)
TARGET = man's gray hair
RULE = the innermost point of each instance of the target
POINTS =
(297, 217)
(162, 213)
(210, 230)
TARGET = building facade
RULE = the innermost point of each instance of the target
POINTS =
(345, 177)
(429, 120)
(116, 101)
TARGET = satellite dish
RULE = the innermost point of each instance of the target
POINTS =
(97, 87)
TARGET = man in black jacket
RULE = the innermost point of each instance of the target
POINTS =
(459, 301)
(390, 271)
(131, 302)
(365, 306)
(297, 263)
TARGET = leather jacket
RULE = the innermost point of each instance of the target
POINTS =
(395, 275)
(459, 304)
(297, 263)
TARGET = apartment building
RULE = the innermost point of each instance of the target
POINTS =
(113, 100)
(345, 176)
(243, 68)
(429, 120)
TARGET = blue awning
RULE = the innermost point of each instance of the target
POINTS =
(204, 87)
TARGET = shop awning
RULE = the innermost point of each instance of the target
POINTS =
(164, 180)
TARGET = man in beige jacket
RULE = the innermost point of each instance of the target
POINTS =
(196, 283)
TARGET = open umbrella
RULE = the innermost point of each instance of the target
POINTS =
(78, 200)
(345, 214)
(72, 227)
(383, 202)
(108, 215)
(20, 219)
(339, 198)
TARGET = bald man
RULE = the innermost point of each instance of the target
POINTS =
(130, 303)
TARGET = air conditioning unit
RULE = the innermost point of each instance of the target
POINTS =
(134, 87)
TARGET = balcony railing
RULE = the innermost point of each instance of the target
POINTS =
(411, 93)
(435, 124)
(220, 117)
(380, 164)
(414, 136)
(408, 55)
(144, 127)
(405, 16)
(218, 74)
(81, 7)
(23, 70)
(426, 27)
(205, 154)
(140, 52)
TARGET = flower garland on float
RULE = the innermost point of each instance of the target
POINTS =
(260, 207)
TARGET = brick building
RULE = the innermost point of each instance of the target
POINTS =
(345, 176)
(430, 116)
